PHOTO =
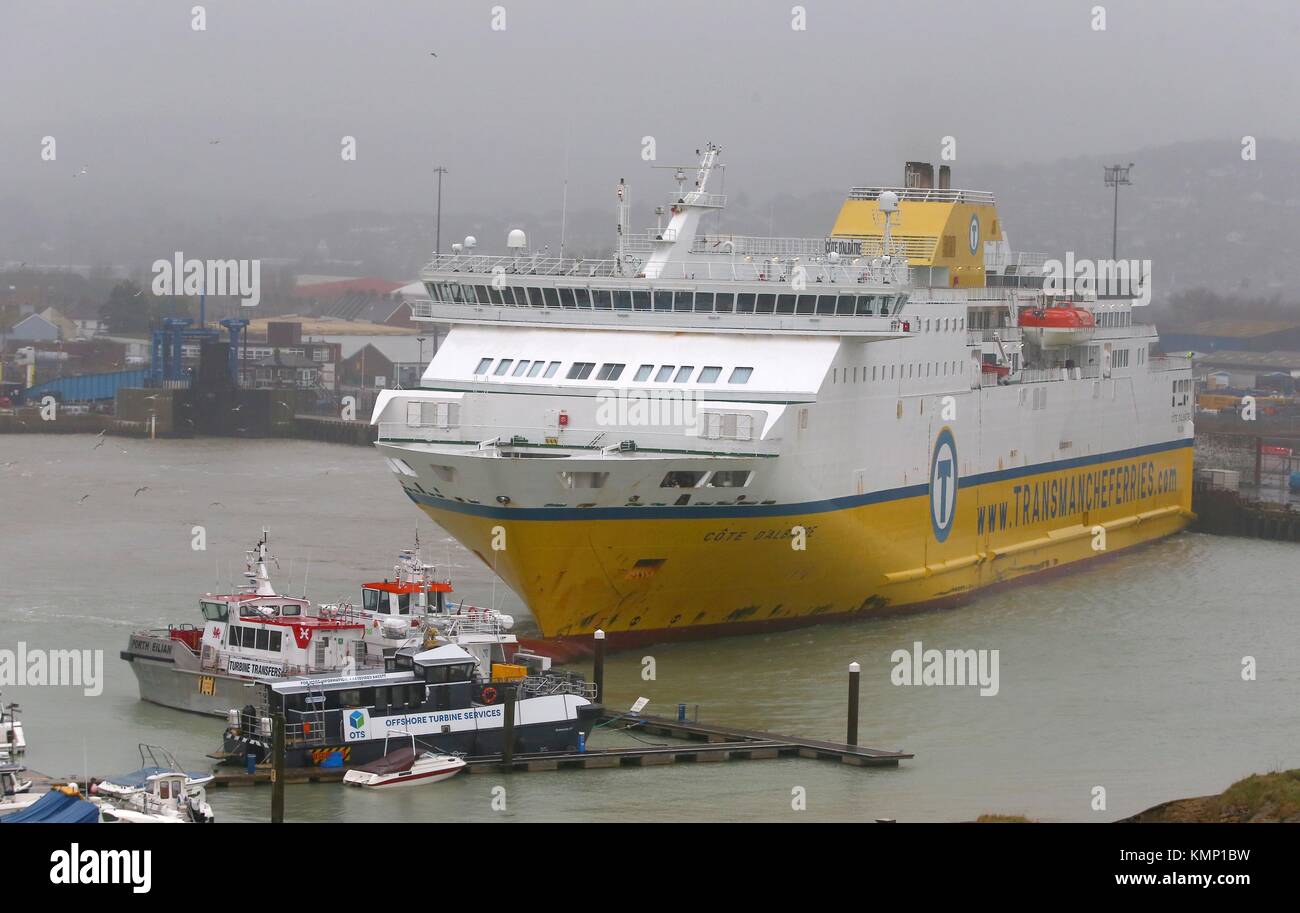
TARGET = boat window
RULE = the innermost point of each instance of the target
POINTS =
(806, 304)
(641, 300)
(682, 301)
(825, 304)
(584, 298)
(403, 603)
(536, 368)
(704, 302)
(846, 306)
(663, 300)
(643, 372)
(884, 307)
(766, 304)
(520, 368)
(745, 303)
(350, 698)
(622, 300)
(566, 298)
(483, 365)
(503, 366)
(740, 375)
(665, 373)
(291, 609)
(233, 634)
(369, 599)
(730, 478)
(494, 294)
(785, 304)
(482, 292)
(276, 639)
(263, 639)
(551, 368)
(551, 297)
(521, 297)
(681, 479)
(610, 371)
(709, 374)
(723, 303)
(601, 299)
(507, 296)
(684, 374)
(214, 611)
(581, 370)
(865, 305)
(462, 672)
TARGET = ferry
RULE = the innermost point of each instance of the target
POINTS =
(712, 433)
(440, 698)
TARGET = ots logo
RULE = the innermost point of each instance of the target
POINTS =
(974, 233)
(943, 484)
(356, 719)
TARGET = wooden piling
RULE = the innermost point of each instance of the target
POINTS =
(598, 670)
(508, 725)
(277, 768)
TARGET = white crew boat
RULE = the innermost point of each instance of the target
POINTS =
(160, 792)
(405, 766)
(712, 433)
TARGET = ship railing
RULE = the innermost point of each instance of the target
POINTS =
(993, 334)
(1059, 372)
(701, 265)
(520, 439)
(1170, 362)
(925, 194)
(556, 683)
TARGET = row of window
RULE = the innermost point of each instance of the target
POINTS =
(829, 305)
(610, 371)
(1114, 318)
(253, 637)
(902, 371)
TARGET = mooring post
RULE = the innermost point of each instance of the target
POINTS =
(508, 726)
(277, 768)
(855, 673)
(598, 672)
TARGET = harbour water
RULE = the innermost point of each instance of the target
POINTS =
(1125, 675)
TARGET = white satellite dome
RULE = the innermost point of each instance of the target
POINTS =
(455, 248)
(888, 201)
(471, 242)
(516, 240)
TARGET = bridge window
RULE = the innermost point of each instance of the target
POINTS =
(785, 304)
(610, 371)
(740, 375)
(601, 299)
(745, 303)
(503, 366)
(766, 304)
(665, 374)
(482, 294)
(551, 369)
(520, 368)
(825, 304)
(550, 296)
(494, 295)
(663, 300)
(566, 298)
(684, 374)
(643, 372)
(709, 374)
(723, 303)
(704, 302)
(846, 306)
(683, 301)
(536, 368)
(622, 300)
(581, 370)
(483, 365)
(641, 300)
(806, 304)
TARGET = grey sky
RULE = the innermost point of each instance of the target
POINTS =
(134, 95)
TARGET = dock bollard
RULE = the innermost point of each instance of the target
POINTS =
(681, 713)
(582, 743)
(855, 672)
(598, 671)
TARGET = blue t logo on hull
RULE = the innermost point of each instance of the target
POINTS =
(943, 484)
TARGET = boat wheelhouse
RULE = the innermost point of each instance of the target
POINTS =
(440, 697)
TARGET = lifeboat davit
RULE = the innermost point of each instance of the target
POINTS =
(1060, 325)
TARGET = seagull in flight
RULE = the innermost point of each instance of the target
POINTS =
(82, 498)
(99, 441)
(140, 489)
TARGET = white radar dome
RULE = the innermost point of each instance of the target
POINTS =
(889, 201)
(455, 248)
(471, 242)
(516, 240)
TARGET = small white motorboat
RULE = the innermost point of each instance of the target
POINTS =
(405, 767)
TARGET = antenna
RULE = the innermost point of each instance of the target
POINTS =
(1116, 176)
(306, 575)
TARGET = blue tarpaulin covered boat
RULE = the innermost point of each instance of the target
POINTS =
(55, 808)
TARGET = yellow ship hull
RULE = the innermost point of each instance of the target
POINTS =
(643, 577)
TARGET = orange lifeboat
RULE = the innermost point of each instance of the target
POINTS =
(1060, 325)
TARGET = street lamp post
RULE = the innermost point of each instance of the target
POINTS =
(440, 171)
(1116, 176)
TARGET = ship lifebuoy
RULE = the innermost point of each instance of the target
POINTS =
(489, 695)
